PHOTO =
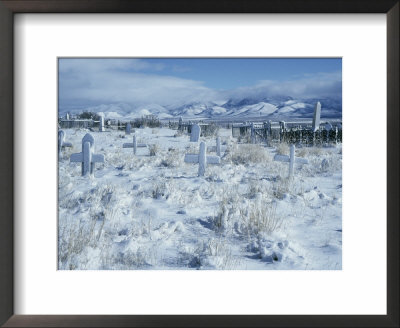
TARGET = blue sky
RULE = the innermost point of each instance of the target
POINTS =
(89, 82)
(230, 73)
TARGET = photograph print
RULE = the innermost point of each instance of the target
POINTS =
(199, 163)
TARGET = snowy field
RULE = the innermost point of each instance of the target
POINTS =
(152, 211)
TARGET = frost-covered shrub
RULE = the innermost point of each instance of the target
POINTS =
(256, 187)
(212, 253)
(172, 158)
(248, 217)
(281, 187)
(245, 138)
(322, 160)
(282, 148)
(159, 190)
(243, 154)
(131, 259)
(260, 218)
(309, 151)
(154, 149)
(74, 238)
(163, 189)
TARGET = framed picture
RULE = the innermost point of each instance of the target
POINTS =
(184, 168)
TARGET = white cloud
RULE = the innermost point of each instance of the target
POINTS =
(310, 86)
(120, 81)
(116, 85)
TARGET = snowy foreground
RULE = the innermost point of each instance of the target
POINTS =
(154, 212)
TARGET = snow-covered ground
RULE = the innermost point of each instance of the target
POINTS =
(154, 212)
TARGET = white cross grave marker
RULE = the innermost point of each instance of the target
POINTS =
(86, 157)
(128, 128)
(202, 159)
(291, 159)
(61, 142)
(134, 145)
(195, 133)
(101, 125)
(317, 116)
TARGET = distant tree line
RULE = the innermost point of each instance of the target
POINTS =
(150, 121)
(88, 116)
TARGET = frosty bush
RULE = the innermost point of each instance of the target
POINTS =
(281, 187)
(243, 154)
(245, 139)
(249, 217)
(212, 253)
(260, 218)
(172, 158)
(159, 190)
(163, 189)
(309, 151)
(131, 259)
(153, 149)
(282, 148)
(73, 239)
(256, 187)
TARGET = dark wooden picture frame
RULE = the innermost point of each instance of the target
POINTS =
(7, 10)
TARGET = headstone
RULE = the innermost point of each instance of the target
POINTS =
(324, 165)
(134, 145)
(328, 126)
(317, 116)
(101, 125)
(128, 128)
(195, 133)
(87, 157)
(61, 142)
(291, 160)
(202, 159)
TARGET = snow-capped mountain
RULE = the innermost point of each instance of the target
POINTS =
(236, 109)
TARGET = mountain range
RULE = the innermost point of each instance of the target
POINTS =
(233, 109)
